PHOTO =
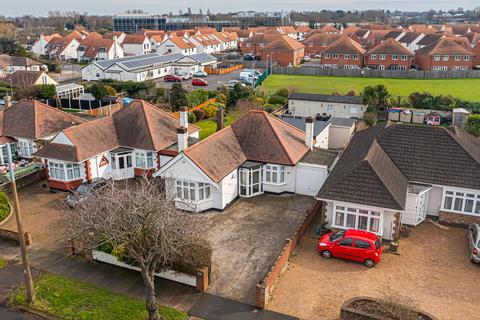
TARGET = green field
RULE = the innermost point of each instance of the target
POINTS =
(467, 89)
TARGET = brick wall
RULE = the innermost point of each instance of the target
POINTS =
(341, 61)
(284, 58)
(388, 62)
(25, 180)
(457, 219)
(427, 62)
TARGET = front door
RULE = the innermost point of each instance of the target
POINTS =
(122, 166)
(250, 182)
(422, 207)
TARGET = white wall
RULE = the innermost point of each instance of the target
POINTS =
(339, 136)
(322, 139)
(287, 186)
(229, 188)
(435, 201)
(311, 108)
(309, 178)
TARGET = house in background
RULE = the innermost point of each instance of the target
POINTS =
(285, 50)
(389, 55)
(9, 64)
(318, 42)
(135, 141)
(258, 153)
(436, 118)
(62, 48)
(25, 79)
(99, 49)
(398, 175)
(176, 44)
(311, 105)
(443, 55)
(136, 45)
(30, 124)
(344, 53)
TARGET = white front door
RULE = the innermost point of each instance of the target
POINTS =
(251, 182)
(122, 166)
(422, 207)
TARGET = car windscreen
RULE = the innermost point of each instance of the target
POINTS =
(82, 189)
(337, 235)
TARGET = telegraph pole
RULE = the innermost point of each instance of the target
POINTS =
(21, 234)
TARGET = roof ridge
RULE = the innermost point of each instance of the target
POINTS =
(147, 121)
(455, 139)
(278, 137)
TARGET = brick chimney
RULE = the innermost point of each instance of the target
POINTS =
(309, 132)
(182, 136)
(8, 101)
(183, 117)
(220, 117)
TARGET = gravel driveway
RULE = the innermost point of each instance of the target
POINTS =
(433, 268)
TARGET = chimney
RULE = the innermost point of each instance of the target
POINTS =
(183, 117)
(220, 116)
(8, 101)
(309, 132)
(182, 136)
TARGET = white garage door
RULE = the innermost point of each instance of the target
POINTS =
(309, 179)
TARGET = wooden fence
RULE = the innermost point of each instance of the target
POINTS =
(223, 70)
(317, 71)
(200, 106)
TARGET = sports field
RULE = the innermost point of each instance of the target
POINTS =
(467, 89)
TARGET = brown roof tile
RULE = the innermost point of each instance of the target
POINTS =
(284, 43)
(345, 44)
(390, 46)
(444, 46)
(134, 39)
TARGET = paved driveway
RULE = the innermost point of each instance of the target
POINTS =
(247, 238)
(433, 268)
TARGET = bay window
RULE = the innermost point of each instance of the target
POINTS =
(26, 148)
(145, 160)
(274, 174)
(64, 171)
(192, 191)
(355, 218)
(461, 201)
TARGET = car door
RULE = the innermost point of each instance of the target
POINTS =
(472, 236)
(342, 248)
(361, 250)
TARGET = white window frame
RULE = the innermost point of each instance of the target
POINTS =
(355, 56)
(445, 58)
(274, 174)
(346, 56)
(145, 159)
(192, 192)
(373, 56)
(461, 197)
(327, 55)
(358, 212)
(335, 56)
(466, 58)
(383, 56)
(26, 148)
(64, 171)
(394, 56)
(404, 57)
(436, 57)
(458, 58)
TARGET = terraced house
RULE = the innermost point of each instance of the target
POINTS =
(443, 55)
(344, 53)
(389, 55)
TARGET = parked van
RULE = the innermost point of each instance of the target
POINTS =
(254, 72)
(247, 77)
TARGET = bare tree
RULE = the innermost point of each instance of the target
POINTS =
(149, 231)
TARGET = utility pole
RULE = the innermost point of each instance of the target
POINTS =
(21, 234)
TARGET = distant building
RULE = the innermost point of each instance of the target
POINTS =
(311, 105)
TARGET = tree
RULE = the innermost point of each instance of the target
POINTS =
(472, 125)
(98, 91)
(46, 91)
(178, 96)
(10, 46)
(238, 92)
(110, 90)
(197, 97)
(144, 228)
(375, 97)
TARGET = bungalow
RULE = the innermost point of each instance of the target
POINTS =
(62, 48)
(443, 55)
(99, 49)
(344, 53)
(258, 153)
(397, 175)
(284, 50)
(311, 105)
(389, 55)
(25, 79)
(38, 46)
(135, 141)
(136, 45)
(28, 125)
(9, 64)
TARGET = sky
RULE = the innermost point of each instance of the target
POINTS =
(111, 7)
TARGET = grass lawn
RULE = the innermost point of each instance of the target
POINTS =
(3, 263)
(209, 127)
(72, 299)
(466, 89)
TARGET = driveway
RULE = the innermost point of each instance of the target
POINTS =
(433, 268)
(248, 237)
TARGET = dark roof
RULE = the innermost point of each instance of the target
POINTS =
(409, 37)
(379, 162)
(429, 39)
(444, 46)
(325, 98)
(342, 122)
(318, 126)
(319, 156)
(22, 78)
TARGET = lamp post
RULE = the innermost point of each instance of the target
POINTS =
(21, 235)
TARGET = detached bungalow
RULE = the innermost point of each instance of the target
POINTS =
(25, 79)
(398, 175)
(135, 141)
(258, 153)
(28, 125)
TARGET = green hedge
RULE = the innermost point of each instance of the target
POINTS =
(4, 206)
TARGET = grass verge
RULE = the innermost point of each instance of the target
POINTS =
(72, 299)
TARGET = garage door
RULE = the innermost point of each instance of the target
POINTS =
(309, 179)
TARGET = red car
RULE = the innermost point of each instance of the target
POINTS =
(356, 245)
(172, 78)
(199, 82)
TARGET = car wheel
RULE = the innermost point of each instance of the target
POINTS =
(326, 254)
(369, 263)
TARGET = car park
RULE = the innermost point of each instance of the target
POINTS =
(199, 82)
(474, 242)
(200, 74)
(79, 195)
(172, 78)
(231, 84)
(249, 57)
(254, 72)
(184, 76)
(351, 244)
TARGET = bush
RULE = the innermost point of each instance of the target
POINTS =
(472, 125)
(46, 91)
(221, 98)
(197, 97)
(192, 118)
(199, 114)
(277, 99)
(4, 206)
(210, 111)
(282, 92)
(370, 118)
(110, 90)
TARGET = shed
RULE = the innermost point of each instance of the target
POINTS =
(394, 114)
(406, 116)
(418, 117)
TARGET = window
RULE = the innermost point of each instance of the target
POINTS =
(26, 148)
(145, 160)
(346, 242)
(461, 202)
(335, 56)
(192, 191)
(355, 56)
(404, 57)
(436, 57)
(362, 244)
(327, 55)
(274, 173)
(354, 218)
(62, 171)
(445, 58)
(373, 56)
(346, 56)
(394, 57)
(330, 107)
(353, 110)
(382, 57)
(458, 58)
(466, 58)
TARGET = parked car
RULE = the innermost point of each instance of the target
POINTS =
(200, 74)
(184, 76)
(351, 244)
(249, 57)
(232, 83)
(247, 78)
(306, 58)
(474, 242)
(318, 55)
(79, 195)
(172, 78)
(199, 82)
(254, 72)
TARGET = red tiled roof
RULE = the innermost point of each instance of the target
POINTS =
(345, 45)
(134, 39)
(444, 46)
(390, 46)
(284, 43)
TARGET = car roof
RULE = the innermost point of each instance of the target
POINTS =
(360, 234)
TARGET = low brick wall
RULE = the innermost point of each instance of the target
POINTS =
(266, 286)
(457, 219)
(26, 180)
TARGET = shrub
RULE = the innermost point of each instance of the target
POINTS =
(277, 99)
(222, 98)
(191, 117)
(4, 206)
(472, 125)
(110, 90)
(197, 97)
(46, 91)
(282, 92)
(370, 118)
(210, 111)
(199, 114)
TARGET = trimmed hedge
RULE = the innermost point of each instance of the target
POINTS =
(4, 206)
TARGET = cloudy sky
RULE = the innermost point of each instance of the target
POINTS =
(41, 7)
